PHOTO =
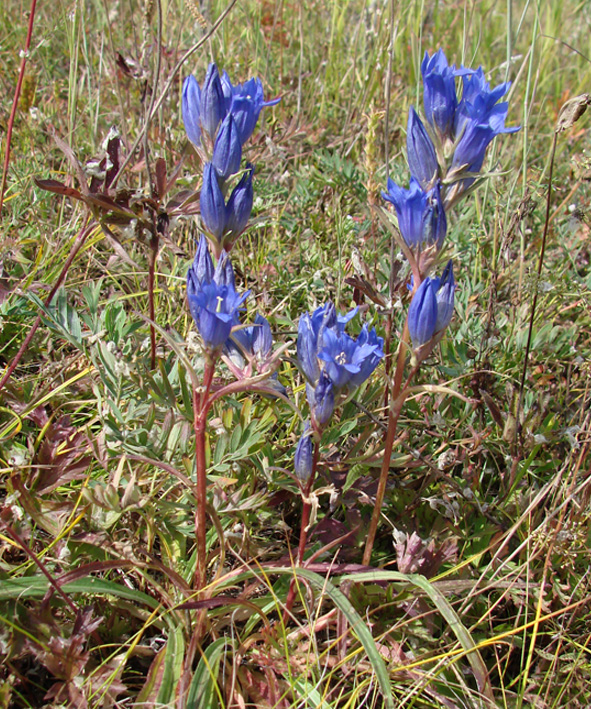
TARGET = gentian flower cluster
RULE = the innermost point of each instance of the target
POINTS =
(432, 307)
(333, 363)
(219, 118)
(213, 300)
(215, 306)
(445, 154)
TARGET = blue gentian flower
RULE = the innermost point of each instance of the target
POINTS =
(422, 158)
(345, 359)
(321, 399)
(445, 290)
(201, 270)
(191, 103)
(211, 201)
(245, 102)
(439, 97)
(304, 455)
(214, 309)
(432, 307)
(333, 362)
(479, 118)
(422, 314)
(212, 105)
(254, 341)
(227, 149)
(421, 215)
(239, 207)
(204, 108)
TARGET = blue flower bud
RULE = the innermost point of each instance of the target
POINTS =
(224, 272)
(239, 206)
(307, 348)
(304, 455)
(421, 215)
(445, 297)
(191, 110)
(201, 270)
(322, 404)
(213, 208)
(212, 108)
(227, 150)
(262, 339)
(422, 314)
(422, 159)
(439, 98)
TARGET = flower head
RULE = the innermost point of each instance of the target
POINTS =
(303, 459)
(227, 149)
(432, 307)
(421, 216)
(214, 309)
(245, 102)
(439, 97)
(333, 362)
(205, 107)
(213, 300)
(211, 201)
(422, 158)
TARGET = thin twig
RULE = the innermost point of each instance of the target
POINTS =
(78, 243)
(167, 86)
(532, 313)
(17, 93)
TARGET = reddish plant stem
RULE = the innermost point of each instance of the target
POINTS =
(52, 581)
(306, 509)
(78, 243)
(201, 406)
(393, 415)
(17, 93)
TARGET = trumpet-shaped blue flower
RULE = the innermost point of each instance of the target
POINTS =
(321, 399)
(422, 158)
(421, 216)
(212, 296)
(239, 207)
(211, 201)
(349, 362)
(214, 309)
(253, 342)
(439, 97)
(191, 104)
(333, 362)
(245, 102)
(205, 107)
(304, 455)
(478, 120)
(227, 149)
(432, 306)
(422, 314)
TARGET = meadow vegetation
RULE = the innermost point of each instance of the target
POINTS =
(477, 589)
